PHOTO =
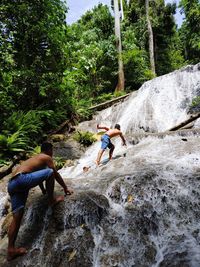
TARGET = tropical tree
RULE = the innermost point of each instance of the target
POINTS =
(150, 41)
(32, 61)
(35, 30)
(120, 84)
(166, 42)
(190, 29)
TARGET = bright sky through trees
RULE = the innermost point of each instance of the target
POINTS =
(78, 8)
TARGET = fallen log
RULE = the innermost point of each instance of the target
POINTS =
(108, 103)
(184, 123)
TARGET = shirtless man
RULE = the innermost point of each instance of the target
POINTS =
(106, 142)
(29, 174)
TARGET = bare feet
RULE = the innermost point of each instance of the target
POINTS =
(15, 252)
(56, 200)
(97, 162)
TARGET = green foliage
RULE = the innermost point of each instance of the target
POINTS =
(195, 105)
(168, 51)
(4, 162)
(12, 144)
(84, 138)
(136, 69)
(195, 102)
(92, 68)
(36, 150)
(36, 43)
(102, 98)
(59, 162)
(21, 131)
(189, 32)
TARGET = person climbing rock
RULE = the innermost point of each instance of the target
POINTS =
(31, 173)
(106, 142)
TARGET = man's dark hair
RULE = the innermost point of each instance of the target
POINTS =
(46, 146)
(117, 126)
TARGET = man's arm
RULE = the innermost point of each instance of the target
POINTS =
(58, 177)
(123, 139)
(102, 127)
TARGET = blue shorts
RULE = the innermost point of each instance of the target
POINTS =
(19, 186)
(105, 142)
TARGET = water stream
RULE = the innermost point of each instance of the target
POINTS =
(142, 209)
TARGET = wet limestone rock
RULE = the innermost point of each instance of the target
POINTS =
(61, 236)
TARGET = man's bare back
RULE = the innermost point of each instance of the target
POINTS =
(113, 132)
(35, 163)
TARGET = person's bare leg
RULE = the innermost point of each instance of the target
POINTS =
(97, 161)
(12, 235)
(111, 152)
(41, 185)
(50, 191)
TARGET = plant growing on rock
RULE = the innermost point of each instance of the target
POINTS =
(84, 138)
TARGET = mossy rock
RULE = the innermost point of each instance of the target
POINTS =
(57, 137)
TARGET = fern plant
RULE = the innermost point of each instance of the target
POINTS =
(13, 144)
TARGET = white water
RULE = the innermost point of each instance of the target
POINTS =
(159, 105)
(3, 199)
(153, 190)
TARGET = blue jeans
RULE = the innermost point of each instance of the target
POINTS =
(19, 186)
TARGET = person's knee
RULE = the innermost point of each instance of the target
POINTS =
(18, 213)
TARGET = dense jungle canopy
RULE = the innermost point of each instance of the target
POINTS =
(51, 71)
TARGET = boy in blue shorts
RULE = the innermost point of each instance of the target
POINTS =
(106, 142)
(29, 174)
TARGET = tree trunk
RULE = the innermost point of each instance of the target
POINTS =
(150, 33)
(184, 123)
(120, 85)
(122, 9)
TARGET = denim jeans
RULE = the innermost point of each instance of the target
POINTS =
(19, 186)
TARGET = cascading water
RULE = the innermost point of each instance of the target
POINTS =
(160, 104)
(3, 199)
(154, 110)
(141, 209)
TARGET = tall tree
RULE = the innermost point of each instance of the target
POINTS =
(120, 84)
(150, 34)
(122, 9)
(93, 55)
(167, 48)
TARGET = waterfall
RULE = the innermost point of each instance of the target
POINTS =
(159, 105)
(141, 209)
(3, 199)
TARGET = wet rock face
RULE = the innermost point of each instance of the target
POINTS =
(86, 209)
(62, 236)
(138, 210)
(68, 149)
